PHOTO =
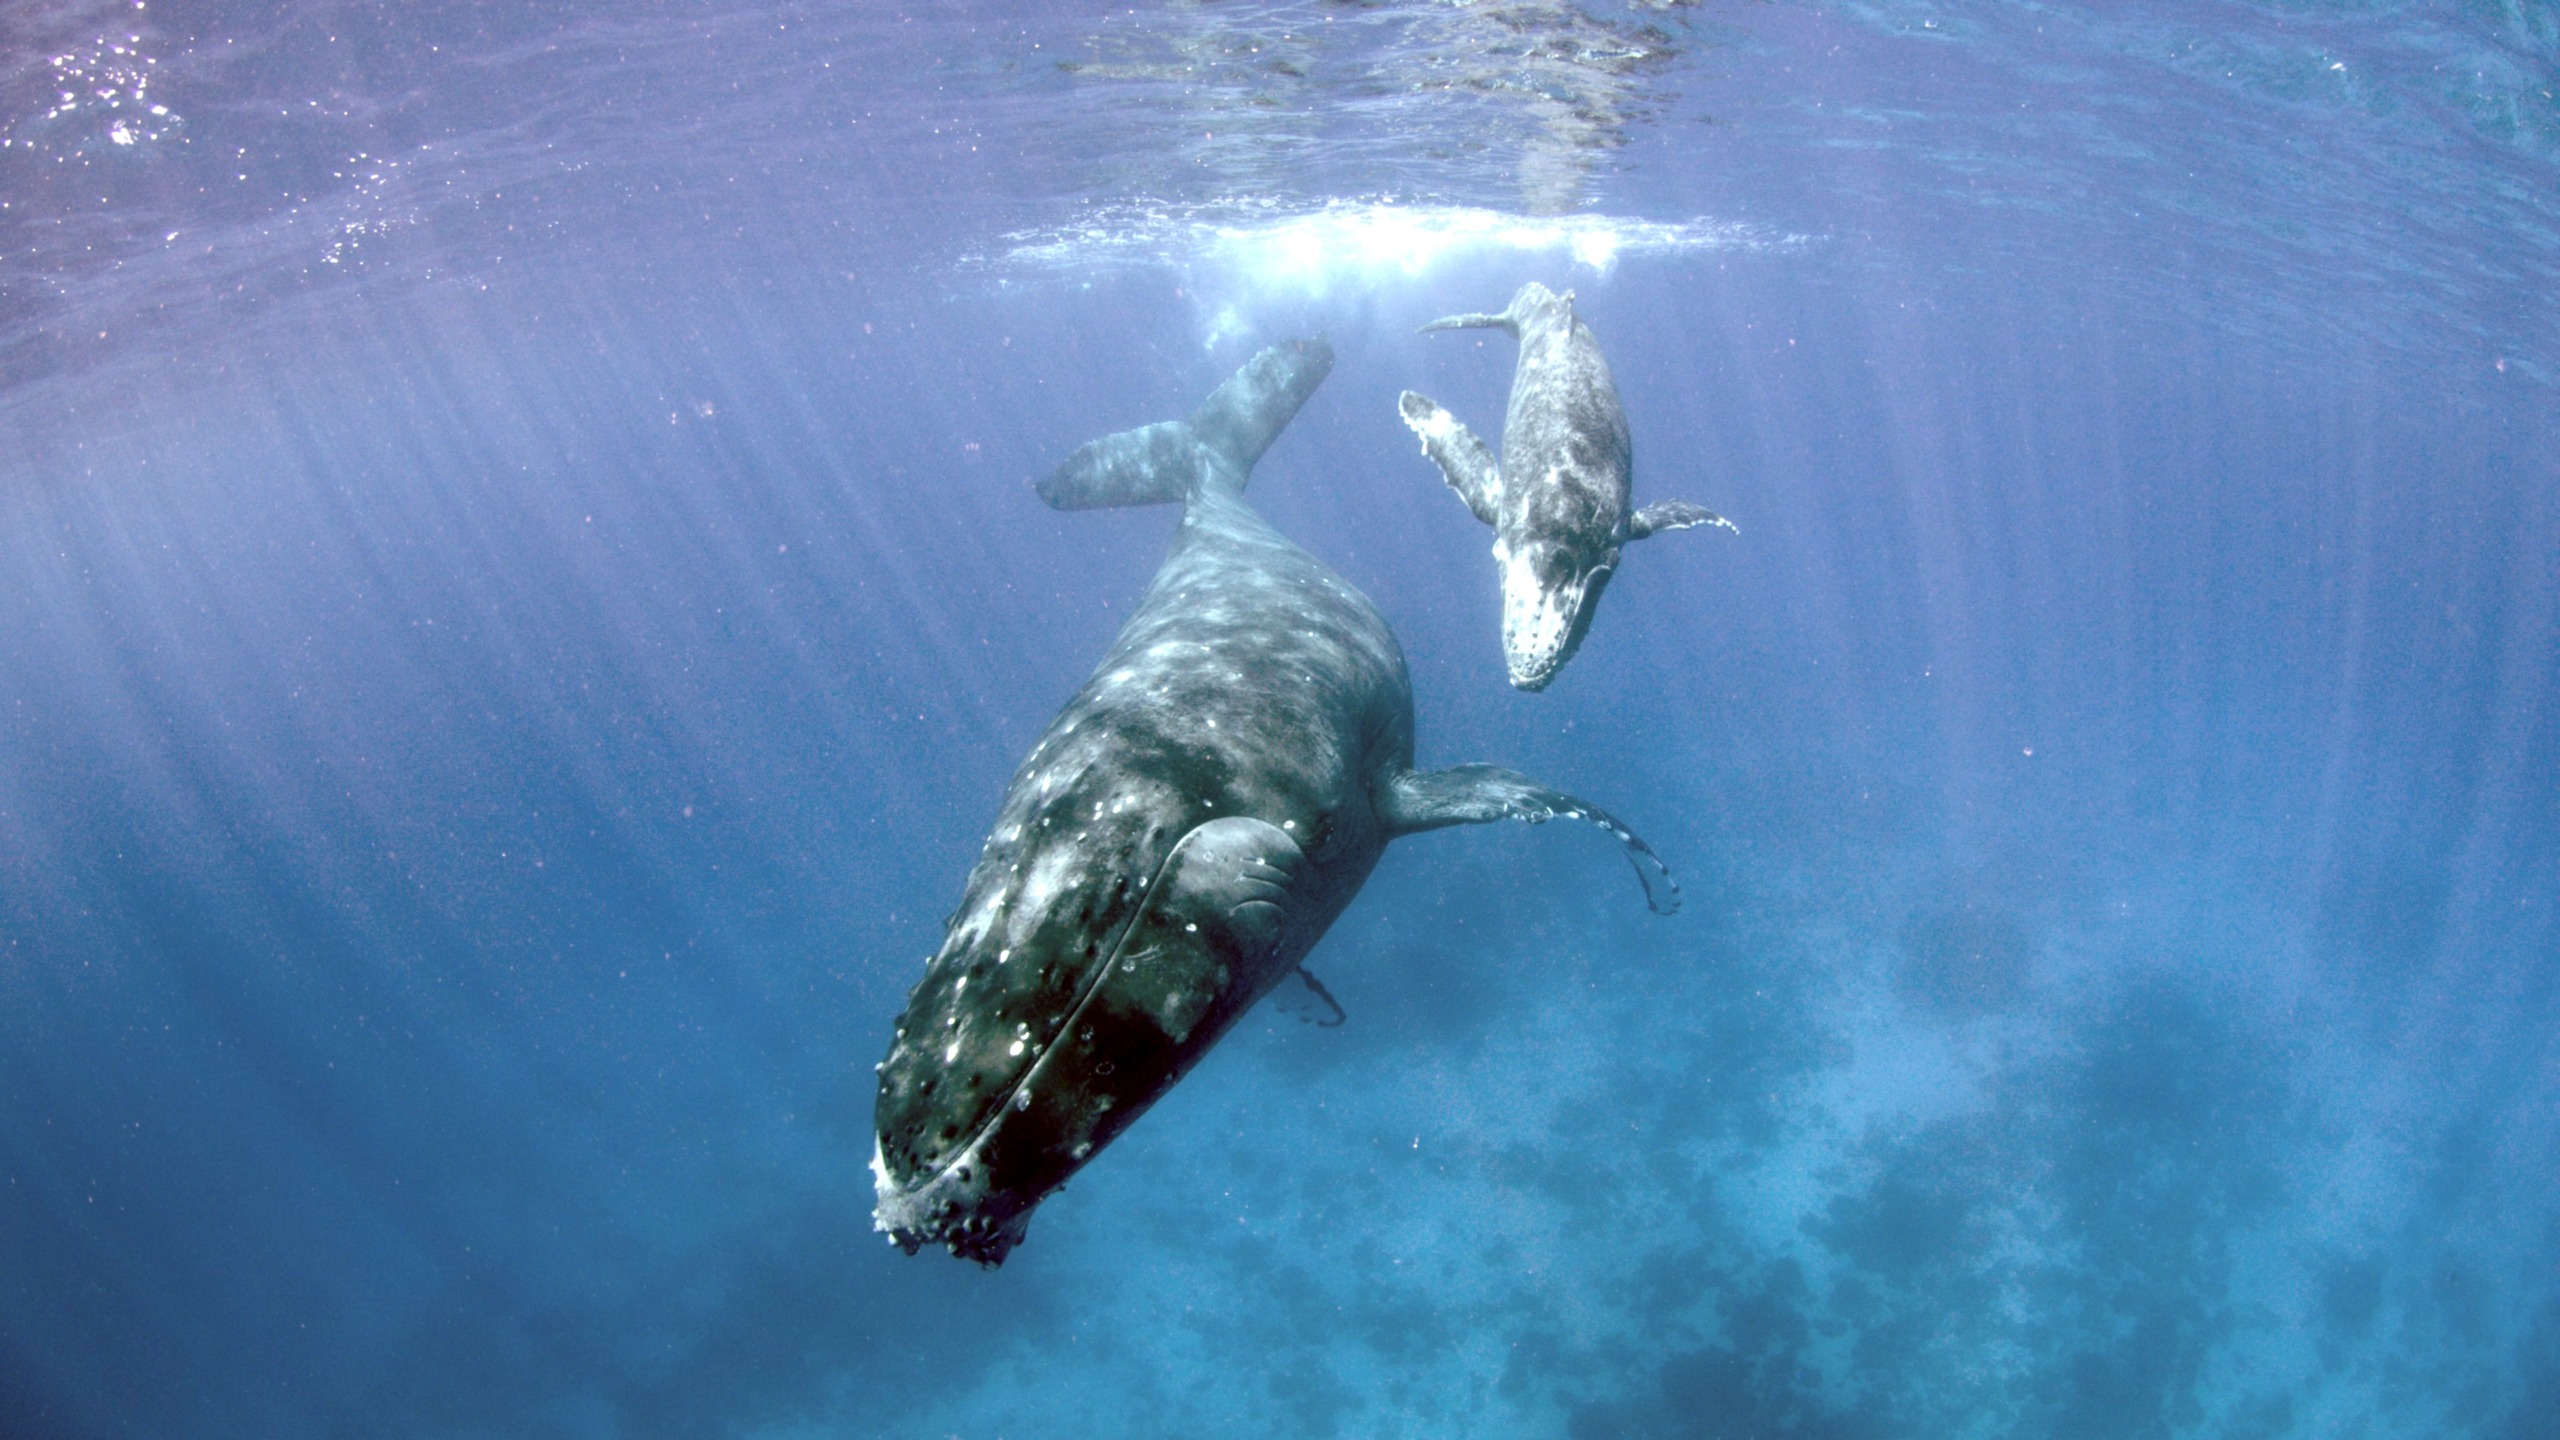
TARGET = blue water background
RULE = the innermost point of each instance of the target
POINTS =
(522, 592)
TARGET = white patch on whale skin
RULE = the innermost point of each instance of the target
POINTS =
(971, 928)
(1054, 871)
(1535, 622)
(1438, 425)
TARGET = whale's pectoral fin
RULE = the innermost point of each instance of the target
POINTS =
(1232, 875)
(1673, 515)
(1214, 449)
(1208, 942)
(1502, 322)
(1417, 800)
(1465, 461)
(1309, 1002)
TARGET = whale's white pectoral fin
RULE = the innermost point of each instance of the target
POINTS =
(1465, 461)
(1673, 515)
(1416, 800)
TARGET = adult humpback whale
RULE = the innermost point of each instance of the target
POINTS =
(1557, 499)
(1178, 840)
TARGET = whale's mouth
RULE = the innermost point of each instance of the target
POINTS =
(954, 1207)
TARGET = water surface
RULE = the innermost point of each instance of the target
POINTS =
(523, 591)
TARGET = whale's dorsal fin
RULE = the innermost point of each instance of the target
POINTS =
(1465, 461)
(1416, 800)
(1213, 449)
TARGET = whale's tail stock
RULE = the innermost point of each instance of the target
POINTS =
(1214, 448)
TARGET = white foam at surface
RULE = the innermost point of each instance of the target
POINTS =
(1353, 242)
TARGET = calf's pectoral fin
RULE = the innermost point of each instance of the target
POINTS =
(1477, 321)
(1416, 800)
(1466, 462)
(1673, 515)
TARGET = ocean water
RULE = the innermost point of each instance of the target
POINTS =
(520, 591)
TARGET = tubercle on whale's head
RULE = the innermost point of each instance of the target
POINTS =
(1549, 594)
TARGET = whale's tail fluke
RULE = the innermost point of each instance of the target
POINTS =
(1215, 448)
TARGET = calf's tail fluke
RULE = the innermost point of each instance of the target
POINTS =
(1215, 448)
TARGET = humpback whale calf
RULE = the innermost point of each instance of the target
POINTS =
(1176, 842)
(1557, 498)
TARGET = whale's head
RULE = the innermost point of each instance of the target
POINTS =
(1550, 590)
(1097, 955)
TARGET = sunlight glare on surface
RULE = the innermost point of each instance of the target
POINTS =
(1357, 244)
(1239, 265)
